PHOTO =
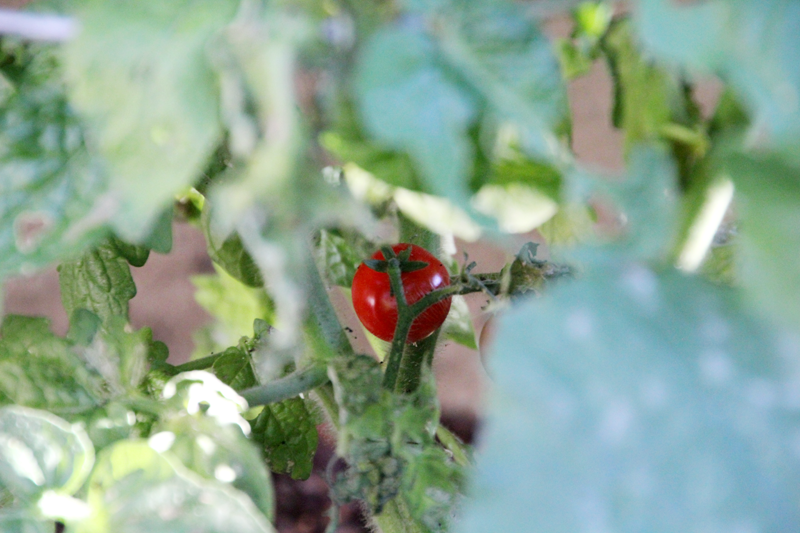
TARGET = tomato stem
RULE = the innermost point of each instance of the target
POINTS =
(287, 387)
(405, 316)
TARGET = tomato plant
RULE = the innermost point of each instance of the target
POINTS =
(376, 305)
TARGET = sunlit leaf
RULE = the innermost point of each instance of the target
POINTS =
(218, 453)
(135, 489)
(40, 452)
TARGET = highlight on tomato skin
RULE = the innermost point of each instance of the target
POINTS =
(376, 306)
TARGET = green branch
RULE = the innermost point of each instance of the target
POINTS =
(287, 387)
(405, 318)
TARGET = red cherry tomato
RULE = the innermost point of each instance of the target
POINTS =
(376, 307)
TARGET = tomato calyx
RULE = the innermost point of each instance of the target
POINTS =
(394, 260)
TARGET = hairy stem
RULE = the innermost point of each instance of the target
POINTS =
(404, 319)
(287, 387)
(414, 358)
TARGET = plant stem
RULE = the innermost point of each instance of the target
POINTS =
(404, 319)
(198, 364)
(454, 445)
(287, 387)
(414, 358)
(324, 324)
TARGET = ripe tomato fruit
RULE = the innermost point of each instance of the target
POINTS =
(376, 306)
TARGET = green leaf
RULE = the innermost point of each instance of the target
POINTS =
(140, 77)
(646, 96)
(235, 368)
(287, 431)
(233, 305)
(229, 253)
(637, 401)
(38, 369)
(39, 452)
(648, 199)
(574, 62)
(768, 193)
(458, 325)
(408, 104)
(12, 522)
(511, 63)
(135, 489)
(432, 488)
(720, 266)
(52, 201)
(160, 238)
(219, 453)
(119, 355)
(393, 462)
(99, 281)
(350, 144)
(134, 254)
(752, 44)
(339, 257)
(113, 422)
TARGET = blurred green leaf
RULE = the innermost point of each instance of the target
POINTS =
(99, 281)
(219, 453)
(235, 368)
(52, 201)
(506, 58)
(39, 452)
(768, 193)
(349, 144)
(637, 401)
(120, 355)
(515, 167)
(339, 257)
(572, 224)
(230, 254)
(752, 44)
(38, 369)
(432, 488)
(140, 76)
(408, 103)
(12, 522)
(287, 431)
(646, 96)
(135, 489)
(202, 394)
(720, 265)
(233, 305)
(458, 325)
(574, 62)
(648, 199)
